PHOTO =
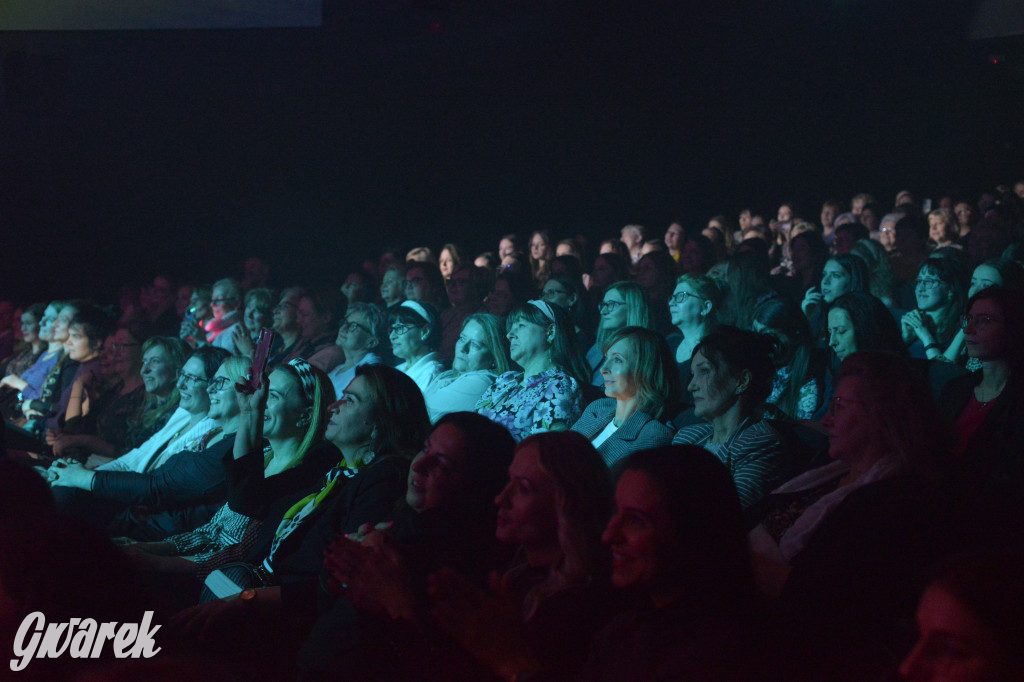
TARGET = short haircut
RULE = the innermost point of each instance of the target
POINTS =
(231, 288)
(262, 298)
(400, 416)
(736, 350)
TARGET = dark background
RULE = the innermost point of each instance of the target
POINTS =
(124, 154)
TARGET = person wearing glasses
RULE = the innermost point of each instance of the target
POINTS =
(415, 337)
(841, 543)
(966, 217)
(224, 306)
(425, 284)
(362, 337)
(694, 308)
(930, 329)
(286, 324)
(481, 355)
(184, 491)
(109, 420)
(566, 289)
(999, 272)
(986, 409)
(545, 395)
(624, 305)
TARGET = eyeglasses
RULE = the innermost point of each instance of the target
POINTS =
(120, 347)
(608, 306)
(349, 325)
(192, 379)
(217, 384)
(401, 329)
(979, 321)
(928, 283)
(679, 297)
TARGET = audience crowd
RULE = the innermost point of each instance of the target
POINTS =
(783, 448)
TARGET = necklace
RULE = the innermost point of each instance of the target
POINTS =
(995, 394)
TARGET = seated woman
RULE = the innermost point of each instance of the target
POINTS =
(694, 308)
(28, 384)
(640, 383)
(854, 537)
(392, 287)
(624, 304)
(554, 507)
(447, 519)
(968, 623)
(415, 337)
(1000, 272)
(930, 329)
(680, 562)
(732, 378)
(106, 496)
(657, 273)
(943, 229)
(481, 356)
(566, 289)
(104, 419)
(319, 314)
(986, 408)
(362, 337)
(546, 395)
(378, 423)
(257, 314)
(842, 274)
(797, 385)
(467, 289)
(292, 420)
(425, 284)
(31, 345)
(88, 326)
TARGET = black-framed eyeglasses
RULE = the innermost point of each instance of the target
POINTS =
(681, 296)
(192, 379)
(927, 283)
(981, 320)
(217, 384)
(609, 306)
(400, 329)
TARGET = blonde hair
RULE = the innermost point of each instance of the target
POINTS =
(638, 313)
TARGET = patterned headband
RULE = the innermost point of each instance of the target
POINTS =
(306, 377)
(419, 309)
(545, 308)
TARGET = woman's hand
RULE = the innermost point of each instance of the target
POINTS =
(70, 474)
(14, 381)
(486, 625)
(243, 341)
(373, 575)
(62, 444)
(811, 302)
(914, 324)
(252, 401)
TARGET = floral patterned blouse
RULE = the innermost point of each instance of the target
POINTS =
(807, 403)
(543, 401)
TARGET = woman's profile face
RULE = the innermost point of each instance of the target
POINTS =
(840, 333)
(223, 396)
(614, 313)
(527, 506)
(159, 375)
(835, 281)
(392, 286)
(286, 406)
(29, 328)
(617, 370)
(985, 334)
(47, 322)
(436, 473)
(938, 230)
(407, 340)
(953, 644)
(356, 335)
(192, 387)
(60, 325)
(848, 440)
(80, 347)
(556, 293)
(983, 277)
(471, 351)
(351, 422)
(416, 285)
(640, 534)
(527, 341)
(685, 306)
(257, 318)
(713, 387)
(126, 353)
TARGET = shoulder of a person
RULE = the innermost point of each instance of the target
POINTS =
(692, 434)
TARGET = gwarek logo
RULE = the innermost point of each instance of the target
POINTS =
(81, 638)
